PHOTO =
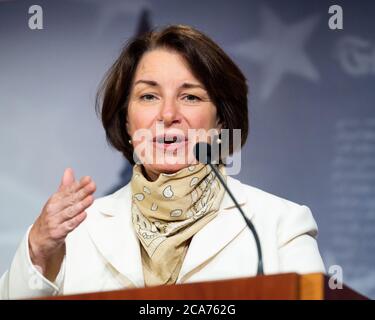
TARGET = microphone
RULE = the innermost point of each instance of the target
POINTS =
(202, 152)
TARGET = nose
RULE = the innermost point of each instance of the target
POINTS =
(169, 112)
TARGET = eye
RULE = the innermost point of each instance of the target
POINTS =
(191, 98)
(148, 97)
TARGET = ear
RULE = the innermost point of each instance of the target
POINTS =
(219, 124)
(127, 126)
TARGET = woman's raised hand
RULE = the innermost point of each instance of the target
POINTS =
(63, 212)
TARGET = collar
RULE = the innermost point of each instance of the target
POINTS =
(116, 202)
(112, 232)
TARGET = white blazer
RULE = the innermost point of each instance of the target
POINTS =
(103, 253)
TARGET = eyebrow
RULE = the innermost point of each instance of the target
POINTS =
(185, 85)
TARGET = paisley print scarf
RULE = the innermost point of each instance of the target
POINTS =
(168, 212)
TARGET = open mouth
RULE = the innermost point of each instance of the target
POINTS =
(171, 140)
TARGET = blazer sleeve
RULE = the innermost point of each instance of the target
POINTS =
(298, 248)
(23, 279)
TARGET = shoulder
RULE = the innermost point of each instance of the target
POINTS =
(290, 218)
(261, 199)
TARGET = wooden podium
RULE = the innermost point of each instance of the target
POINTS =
(289, 286)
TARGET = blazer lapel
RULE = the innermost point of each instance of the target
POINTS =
(114, 235)
(218, 233)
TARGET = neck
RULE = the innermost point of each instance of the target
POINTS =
(153, 175)
(150, 175)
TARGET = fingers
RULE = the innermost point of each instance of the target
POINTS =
(76, 186)
(63, 212)
(67, 179)
(73, 223)
(74, 210)
(63, 229)
(61, 223)
(68, 182)
(83, 182)
(76, 193)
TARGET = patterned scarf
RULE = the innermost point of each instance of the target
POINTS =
(166, 214)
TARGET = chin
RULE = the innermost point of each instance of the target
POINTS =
(171, 163)
(167, 168)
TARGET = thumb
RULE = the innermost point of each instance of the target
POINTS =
(67, 179)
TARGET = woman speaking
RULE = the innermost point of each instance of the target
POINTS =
(173, 223)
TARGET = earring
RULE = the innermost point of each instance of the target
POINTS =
(218, 140)
(130, 141)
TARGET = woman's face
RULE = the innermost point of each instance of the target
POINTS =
(167, 101)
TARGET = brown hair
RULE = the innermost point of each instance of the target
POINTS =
(223, 80)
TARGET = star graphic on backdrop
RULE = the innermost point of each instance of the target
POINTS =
(279, 50)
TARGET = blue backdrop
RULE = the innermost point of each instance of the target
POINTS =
(312, 112)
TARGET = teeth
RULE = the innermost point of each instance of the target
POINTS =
(169, 139)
